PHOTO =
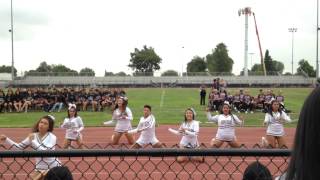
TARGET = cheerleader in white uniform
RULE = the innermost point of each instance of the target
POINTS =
(122, 116)
(73, 125)
(147, 128)
(189, 131)
(226, 127)
(40, 139)
(274, 120)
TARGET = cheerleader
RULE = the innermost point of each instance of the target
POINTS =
(40, 139)
(73, 125)
(147, 128)
(226, 127)
(274, 120)
(122, 116)
(189, 131)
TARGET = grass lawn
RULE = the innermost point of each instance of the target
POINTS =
(168, 106)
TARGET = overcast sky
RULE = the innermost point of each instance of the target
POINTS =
(100, 34)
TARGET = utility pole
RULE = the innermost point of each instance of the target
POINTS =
(245, 11)
(292, 30)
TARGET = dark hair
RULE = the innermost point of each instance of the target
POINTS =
(305, 159)
(256, 171)
(147, 106)
(125, 103)
(75, 112)
(185, 117)
(221, 108)
(58, 173)
(270, 109)
(51, 124)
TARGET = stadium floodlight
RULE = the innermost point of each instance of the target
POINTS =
(12, 52)
(292, 30)
(247, 12)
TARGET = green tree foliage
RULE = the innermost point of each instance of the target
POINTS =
(52, 70)
(62, 70)
(121, 73)
(273, 67)
(7, 69)
(305, 67)
(197, 64)
(87, 72)
(170, 73)
(106, 73)
(268, 63)
(278, 66)
(219, 61)
(256, 69)
(144, 61)
(43, 68)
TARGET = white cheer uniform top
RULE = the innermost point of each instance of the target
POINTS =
(73, 126)
(123, 120)
(48, 142)
(226, 126)
(275, 123)
(190, 137)
(147, 126)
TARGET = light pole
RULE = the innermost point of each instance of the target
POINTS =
(245, 11)
(292, 30)
(12, 54)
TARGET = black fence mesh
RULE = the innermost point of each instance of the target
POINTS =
(123, 163)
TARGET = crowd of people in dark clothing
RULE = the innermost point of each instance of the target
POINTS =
(241, 100)
(55, 99)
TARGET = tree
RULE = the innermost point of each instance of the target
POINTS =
(170, 73)
(273, 67)
(121, 73)
(53, 70)
(305, 67)
(62, 70)
(86, 72)
(197, 64)
(106, 73)
(7, 69)
(144, 61)
(277, 66)
(268, 63)
(43, 68)
(219, 61)
(257, 69)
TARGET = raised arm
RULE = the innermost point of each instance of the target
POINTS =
(212, 118)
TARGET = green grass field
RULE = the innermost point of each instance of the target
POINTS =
(168, 106)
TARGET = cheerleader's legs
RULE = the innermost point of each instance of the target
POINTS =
(129, 138)
(66, 143)
(271, 140)
(215, 143)
(79, 143)
(234, 144)
(281, 141)
(115, 138)
(182, 159)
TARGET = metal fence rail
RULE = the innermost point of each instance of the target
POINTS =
(146, 163)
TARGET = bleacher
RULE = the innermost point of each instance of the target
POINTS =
(167, 81)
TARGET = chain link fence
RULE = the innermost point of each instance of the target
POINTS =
(119, 162)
